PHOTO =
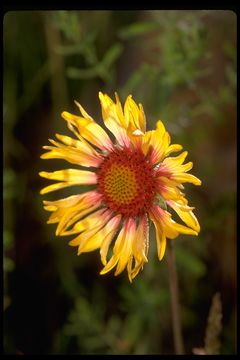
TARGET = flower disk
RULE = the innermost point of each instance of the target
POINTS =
(127, 182)
(135, 181)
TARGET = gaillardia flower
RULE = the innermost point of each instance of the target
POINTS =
(134, 180)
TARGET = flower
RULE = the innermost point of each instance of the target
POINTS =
(135, 181)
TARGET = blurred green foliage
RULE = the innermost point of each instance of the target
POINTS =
(181, 65)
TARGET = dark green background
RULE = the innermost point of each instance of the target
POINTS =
(181, 65)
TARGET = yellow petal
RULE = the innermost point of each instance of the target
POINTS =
(186, 167)
(169, 227)
(70, 177)
(164, 223)
(142, 118)
(83, 112)
(70, 142)
(74, 119)
(122, 248)
(187, 178)
(168, 189)
(81, 239)
(103, 235)
(173, 148)
(65, 202)
(90, 130)
(80, 154)
(127, 246)
(129, 268)
(119, 132)
(132, 273)
(111, 229)
(68, 210)
(73, 157)
(173, 162)
(87, 205)
(71, 217)
(134, 116)
(167, 224)
(110, 114)
(54, 187)
(183, 229)
(82, 145)
(139, 249)
(161, 241)
(140, 242)
(106, 103)
(157, 141)
(94, 241)
(119, 111)
(185, 213)
(160, 236)
(110, 265)
(88, 222)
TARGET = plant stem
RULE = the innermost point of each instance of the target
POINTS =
(173, 283)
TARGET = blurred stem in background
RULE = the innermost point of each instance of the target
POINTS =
(58, 81)
(173, 283)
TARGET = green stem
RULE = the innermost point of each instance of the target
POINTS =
(173, 283)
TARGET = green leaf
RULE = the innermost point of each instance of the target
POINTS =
(79, 47)
(75, 73)
(136, 29)
(112, 55)
(102, 69)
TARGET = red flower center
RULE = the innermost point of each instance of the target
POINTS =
(127, 181)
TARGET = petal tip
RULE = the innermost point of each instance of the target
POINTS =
(103, 272)
(76, 103)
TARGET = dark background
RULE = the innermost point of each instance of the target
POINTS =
(181, 65)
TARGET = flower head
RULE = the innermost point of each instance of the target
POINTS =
(135, 181)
